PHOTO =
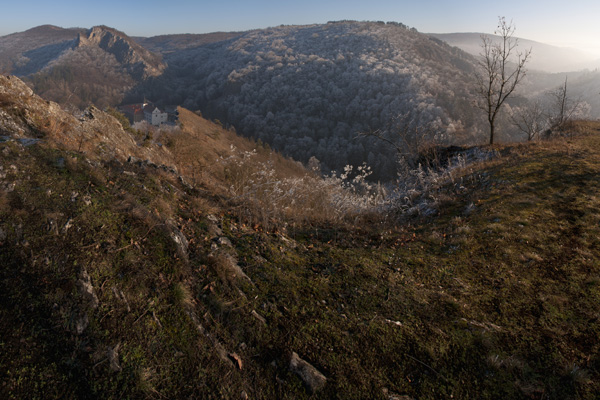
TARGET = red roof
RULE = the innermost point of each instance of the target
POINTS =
(150, 108)
(133, 109)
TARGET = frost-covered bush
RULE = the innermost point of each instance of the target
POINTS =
(419, 190)
(263, 196)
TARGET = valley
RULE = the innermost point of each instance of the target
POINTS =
(307, 91)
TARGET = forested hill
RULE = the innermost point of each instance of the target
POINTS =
(309, 90)
(78, 66)
(18, 50)
(166, 44)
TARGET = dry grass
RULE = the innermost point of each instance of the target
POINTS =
(200, 142)
(52, 127)
(263, 186)
(162, 207)
(130, 205)
(4, 202)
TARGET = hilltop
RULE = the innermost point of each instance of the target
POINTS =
(129, 271)
(15, 48)
(79, 66)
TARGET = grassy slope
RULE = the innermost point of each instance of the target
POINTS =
(494, 297)
(498, 300)
(202, 142)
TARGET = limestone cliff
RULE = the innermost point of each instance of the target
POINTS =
(139, 62)
(24, 116)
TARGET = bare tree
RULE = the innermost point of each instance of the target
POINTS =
(563, 108)
(530, 119)
(411, 133)
(500, 72)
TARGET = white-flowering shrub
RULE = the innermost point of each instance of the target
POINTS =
(418, 190)
(256, 185)
(263, 196)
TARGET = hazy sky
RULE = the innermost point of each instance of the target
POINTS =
(574, 23)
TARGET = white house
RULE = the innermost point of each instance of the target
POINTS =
(154, 115)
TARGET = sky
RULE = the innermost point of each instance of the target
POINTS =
(570, 24)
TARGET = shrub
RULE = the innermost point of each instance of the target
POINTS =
(263, 197)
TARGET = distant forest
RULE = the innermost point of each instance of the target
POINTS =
(309, 91)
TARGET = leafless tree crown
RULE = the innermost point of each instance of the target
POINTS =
(502, 68)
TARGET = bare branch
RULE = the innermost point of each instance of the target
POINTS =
(530, 120)
(409, 134)
(499, 76)
(564, 108)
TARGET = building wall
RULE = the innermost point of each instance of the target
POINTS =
(159, 117)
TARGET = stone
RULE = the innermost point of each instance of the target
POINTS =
(312, 378)
(87, 289)
(82, 323)
(389, 395)
(89, 113)
(226, 266)
(185, 183)
(113, 357)
(259, 317)
(181, 242)
(214, 226)
(68, 225)
(224, 241)
(221, 352)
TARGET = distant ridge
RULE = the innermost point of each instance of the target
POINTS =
(13, 47)
(80, 66)
(545, 57)
(166, 44)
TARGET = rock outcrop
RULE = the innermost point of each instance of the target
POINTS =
(139, 62)
(312, 377)
(24, 115)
